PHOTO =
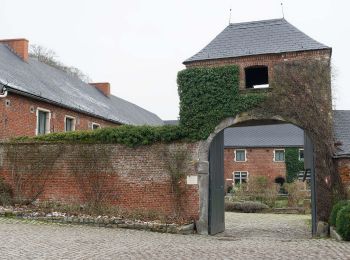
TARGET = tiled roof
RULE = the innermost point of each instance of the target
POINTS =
(279, 135)
(254, 38)
(42, 81)
(341, 119)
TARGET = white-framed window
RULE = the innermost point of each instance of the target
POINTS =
(301, 154)
(240, 177)
(43, 118)
(279, 155)
(240, 155)
(69, 123)
(95, 126)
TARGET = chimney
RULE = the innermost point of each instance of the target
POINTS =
(18, 46)
(104, 87)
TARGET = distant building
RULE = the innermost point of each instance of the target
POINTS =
(259, 151)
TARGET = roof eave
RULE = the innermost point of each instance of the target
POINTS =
(27, 94)
(189, 61)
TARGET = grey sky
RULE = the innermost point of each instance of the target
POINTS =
(139, 46)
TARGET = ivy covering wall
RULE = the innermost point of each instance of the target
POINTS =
(208, 95)
(293, 164)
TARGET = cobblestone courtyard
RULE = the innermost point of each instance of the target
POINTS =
(248, 236)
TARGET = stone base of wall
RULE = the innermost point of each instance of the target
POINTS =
(333, 234)
(107, 222)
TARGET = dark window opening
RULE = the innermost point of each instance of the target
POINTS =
(280, 180)
(257, 77)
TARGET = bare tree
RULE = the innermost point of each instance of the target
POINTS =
(49, 57)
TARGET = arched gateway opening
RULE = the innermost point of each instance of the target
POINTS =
(211, 173)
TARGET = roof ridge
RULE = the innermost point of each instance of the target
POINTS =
(258, 22)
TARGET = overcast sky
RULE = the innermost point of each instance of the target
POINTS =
(139, 46)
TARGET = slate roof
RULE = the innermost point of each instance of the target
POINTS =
(341, 119)
(259, 37)
(38, 80)
(279, 135)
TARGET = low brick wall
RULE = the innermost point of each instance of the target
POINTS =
(134, 179)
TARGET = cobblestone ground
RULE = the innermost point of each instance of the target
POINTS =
(248, 236)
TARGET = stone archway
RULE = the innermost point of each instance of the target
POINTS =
(204, 164)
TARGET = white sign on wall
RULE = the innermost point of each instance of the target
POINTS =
(192, 180)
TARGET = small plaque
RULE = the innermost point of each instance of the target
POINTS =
(192, 180)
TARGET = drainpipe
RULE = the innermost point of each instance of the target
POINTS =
(3, 92)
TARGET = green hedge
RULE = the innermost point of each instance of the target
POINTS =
(293, 164)
(125, 134)
(208, 95)
(336, 208)
(343, 222)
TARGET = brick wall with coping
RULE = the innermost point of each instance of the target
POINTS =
(138, 176)
(18, 117)
(259, 162)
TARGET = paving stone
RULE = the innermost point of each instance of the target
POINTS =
(247, 236)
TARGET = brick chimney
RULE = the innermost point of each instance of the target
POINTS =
(104, 87)
(18, 46)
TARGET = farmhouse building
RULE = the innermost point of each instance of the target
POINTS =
(254, 151)
(38, 99)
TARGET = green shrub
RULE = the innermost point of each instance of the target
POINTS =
(245, 206)
(338, 206)
(296, 193)
(125, 134)
(343, 222)
(258, 188)
(5, 193)
(208, 95)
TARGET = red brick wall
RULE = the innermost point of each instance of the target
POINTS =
(259, 162)
(343, 167)
(20, 118)
(138, 176)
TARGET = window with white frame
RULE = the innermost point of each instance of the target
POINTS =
(43, 121)
(279, 155)
(95, 126)
(301, 154)
(240, 177)
(240, 155)
(69, 123)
